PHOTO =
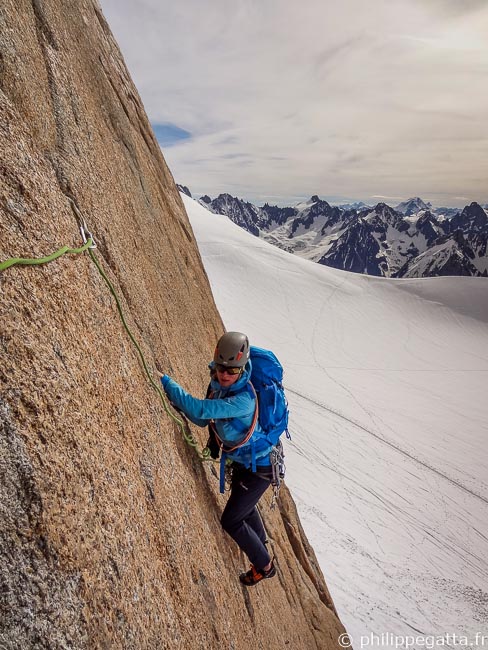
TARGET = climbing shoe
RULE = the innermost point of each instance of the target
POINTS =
(253, 576)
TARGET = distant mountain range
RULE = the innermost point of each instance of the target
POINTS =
(411, 240)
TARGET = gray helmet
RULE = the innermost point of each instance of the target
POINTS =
(232, 350)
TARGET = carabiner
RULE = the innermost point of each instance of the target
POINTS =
(86, 235)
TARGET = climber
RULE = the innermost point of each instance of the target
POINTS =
(230, 410)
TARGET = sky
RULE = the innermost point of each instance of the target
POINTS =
(278, 100)
(386, 383)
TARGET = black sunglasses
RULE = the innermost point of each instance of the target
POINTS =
(230, 371)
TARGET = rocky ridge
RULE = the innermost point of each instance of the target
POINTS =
(109, 524)
(411, 240)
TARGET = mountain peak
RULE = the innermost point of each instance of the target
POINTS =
(473, 217)
(412, 206)
(474, 209)
(184, 189)
(383, 208)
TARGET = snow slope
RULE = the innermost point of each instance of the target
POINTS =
(387, 383)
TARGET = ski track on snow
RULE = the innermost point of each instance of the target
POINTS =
(390, 444)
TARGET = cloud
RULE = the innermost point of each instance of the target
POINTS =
(454, 7)
(389, 198)
(287, 98)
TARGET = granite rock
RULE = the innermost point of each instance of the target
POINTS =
(109, 523)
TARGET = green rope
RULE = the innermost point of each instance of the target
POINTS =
(23, 261)
(44, 260)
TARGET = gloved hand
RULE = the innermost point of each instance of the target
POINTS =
(213, 445)
(164, 380)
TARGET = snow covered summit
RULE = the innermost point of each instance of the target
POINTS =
(413, 206)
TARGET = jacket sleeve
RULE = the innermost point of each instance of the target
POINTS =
(201, 411)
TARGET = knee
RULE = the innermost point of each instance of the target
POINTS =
(228, 521)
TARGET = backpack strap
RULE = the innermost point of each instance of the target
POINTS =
(223, 460)
(248, 435)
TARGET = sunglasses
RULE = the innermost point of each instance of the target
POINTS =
(229, 371)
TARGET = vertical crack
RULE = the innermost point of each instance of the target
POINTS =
(48, 43)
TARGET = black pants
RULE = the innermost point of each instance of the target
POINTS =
(241, 518)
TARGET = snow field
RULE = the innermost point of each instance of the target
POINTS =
(387, 383)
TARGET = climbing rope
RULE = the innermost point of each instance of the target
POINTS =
(182, 423)
(44, 260)
(89, 244)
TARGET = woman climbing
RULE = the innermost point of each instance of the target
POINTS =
(231, 410)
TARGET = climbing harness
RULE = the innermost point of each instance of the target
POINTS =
(89, 245)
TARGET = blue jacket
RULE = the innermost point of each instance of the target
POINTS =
(231, 409)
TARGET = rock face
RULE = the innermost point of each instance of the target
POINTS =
(109, 524)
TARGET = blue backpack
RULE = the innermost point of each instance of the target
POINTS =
(267, 379)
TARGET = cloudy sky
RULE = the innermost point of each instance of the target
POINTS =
(276, 100)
